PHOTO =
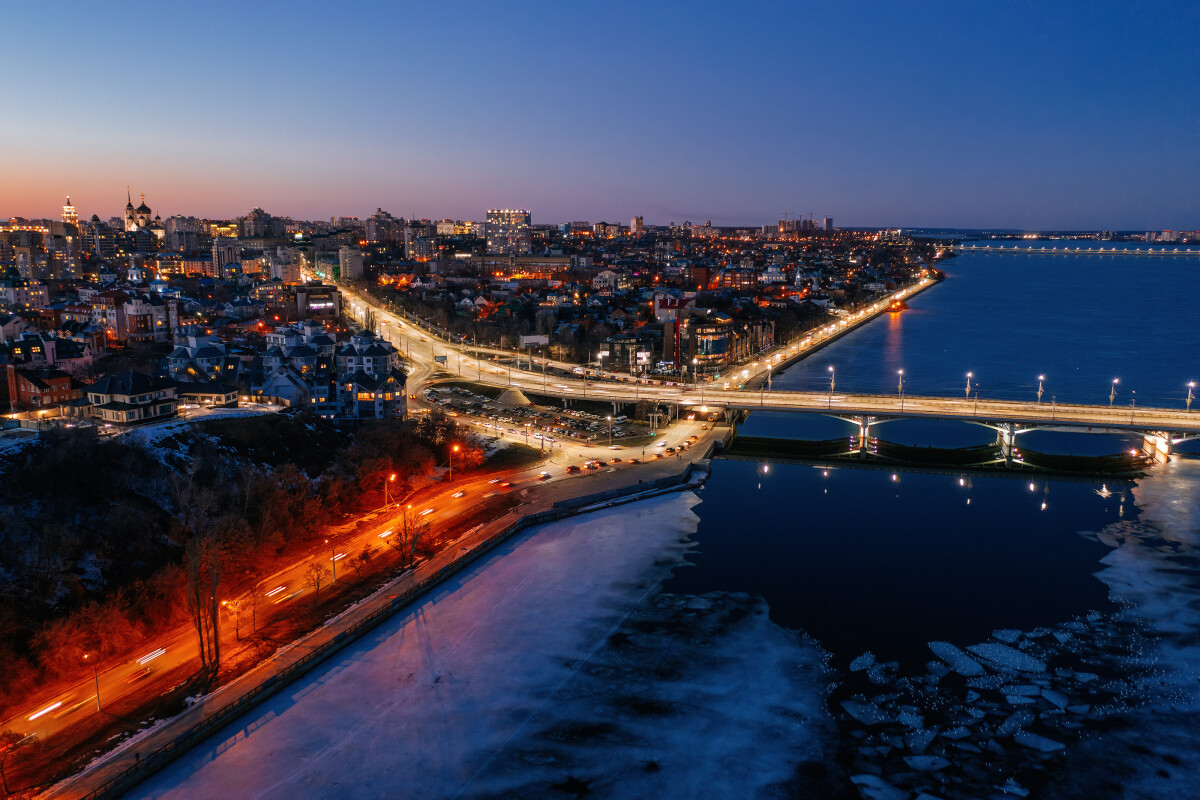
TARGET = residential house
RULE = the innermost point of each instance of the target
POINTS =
(129, 398)
(40, 387)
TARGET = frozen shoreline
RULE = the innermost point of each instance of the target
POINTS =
(445, 700)
(1154, 571)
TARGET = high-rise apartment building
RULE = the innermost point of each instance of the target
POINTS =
(382, 227)
(636, 227)
(226, 251)
(350, 263)
(69, 216)
(508, 232)
(829, 223)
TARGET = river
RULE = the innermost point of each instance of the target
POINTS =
(885, 561)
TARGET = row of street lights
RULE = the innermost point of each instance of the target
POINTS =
(1112, 395)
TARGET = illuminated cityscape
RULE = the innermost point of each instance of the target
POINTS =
(321, 475)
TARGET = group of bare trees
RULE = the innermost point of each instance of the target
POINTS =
(162, 543)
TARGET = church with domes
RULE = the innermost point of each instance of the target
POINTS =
(140, 217)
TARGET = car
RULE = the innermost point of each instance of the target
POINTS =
(635, 461)
(573, 468)
(616, 461)
(661, 444)
(426, 512)
(494, 480)
(670, 450)
(458, 494)
(658, 455)
(505, 484)
(543, 476)
(601, 464)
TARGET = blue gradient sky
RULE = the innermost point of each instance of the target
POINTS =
(1013, 114)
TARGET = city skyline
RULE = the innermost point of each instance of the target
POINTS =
(930, 116)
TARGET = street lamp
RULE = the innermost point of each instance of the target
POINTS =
(453, 450)
(832, 377)
(609, 418)
(96, 677)
(390, 479)
(1112, 395)
(969, 376)
(1040, 379)
(900, 388)
(1190, 397)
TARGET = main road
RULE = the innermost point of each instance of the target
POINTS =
(561, 379)
(52, 712)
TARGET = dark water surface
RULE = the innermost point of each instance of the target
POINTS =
(865, 559)
(885, 561)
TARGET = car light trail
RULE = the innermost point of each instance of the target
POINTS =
(276, 591)
(386, 534)
(151, 656)
(45, 710)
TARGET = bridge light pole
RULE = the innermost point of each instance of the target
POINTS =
(1190, 397)
(900, 389)
(832, 377)
(1112, 395)
(969, 376)
(1132, 405)
(976, 411)
(1040, 379)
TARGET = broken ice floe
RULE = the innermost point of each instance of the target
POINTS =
(1015, 702)
(956, 659)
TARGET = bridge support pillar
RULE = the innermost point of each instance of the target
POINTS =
(1158, 445)
(864, 436)
(1006, 439)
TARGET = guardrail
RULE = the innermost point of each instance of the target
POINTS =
(165, 754)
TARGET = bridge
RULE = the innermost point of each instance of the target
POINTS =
(1161, 428)
(1169, 252)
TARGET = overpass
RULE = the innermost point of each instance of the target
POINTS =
(1161, 428)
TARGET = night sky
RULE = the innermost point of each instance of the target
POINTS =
(1004, 114)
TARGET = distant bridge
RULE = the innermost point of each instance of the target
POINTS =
(1169, 252)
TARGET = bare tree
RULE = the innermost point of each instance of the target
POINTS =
(315, 577)
(251, 602)
(362, 560)
(411, 533)
(239, 607)
(203, 561)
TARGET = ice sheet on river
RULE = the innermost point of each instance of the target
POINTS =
(555, 663)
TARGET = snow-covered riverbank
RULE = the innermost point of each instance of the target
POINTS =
(553, 663)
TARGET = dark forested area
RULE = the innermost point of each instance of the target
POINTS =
(104, 542)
